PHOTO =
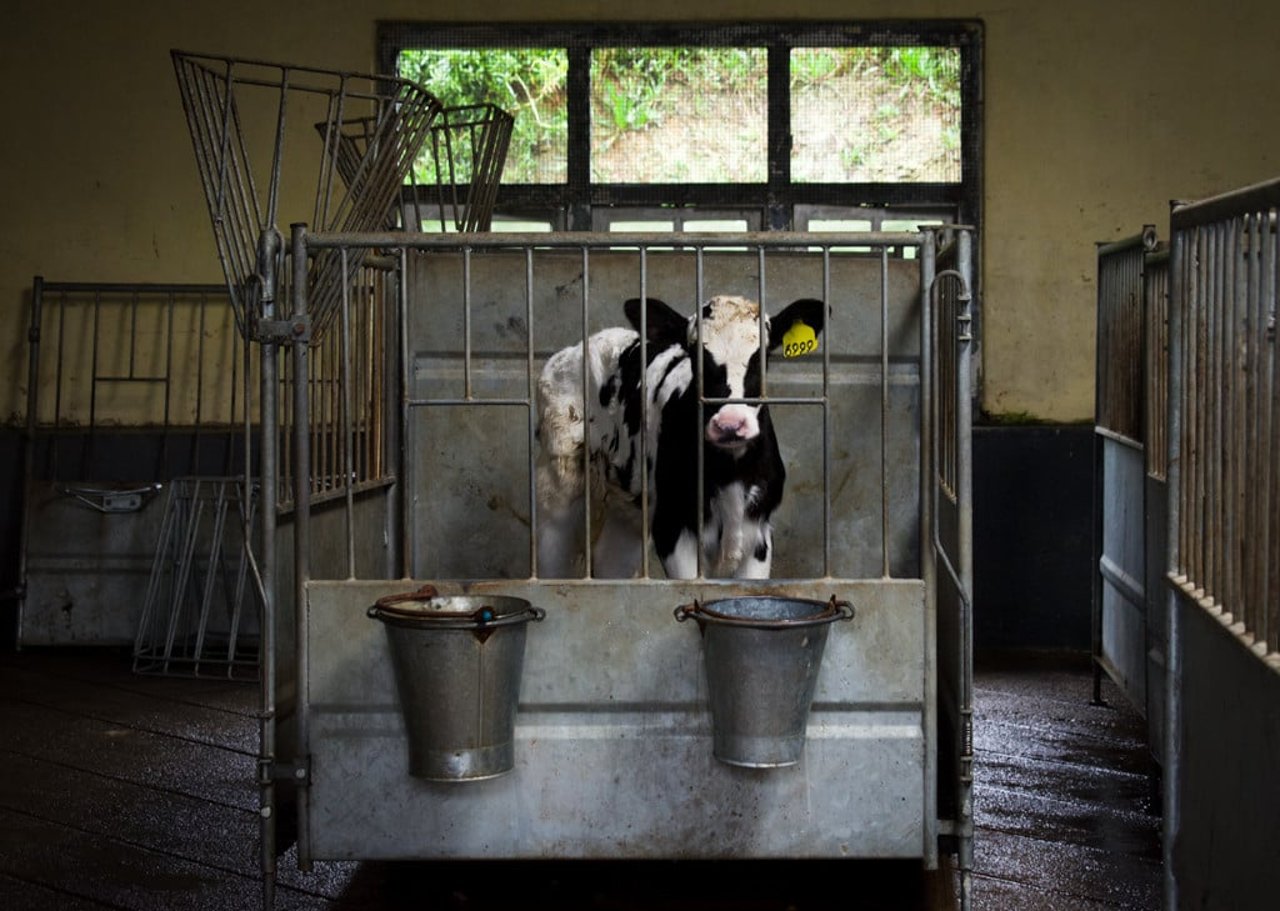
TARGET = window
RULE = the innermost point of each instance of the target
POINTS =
(701, 127)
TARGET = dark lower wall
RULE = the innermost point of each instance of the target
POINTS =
(1033, 537)
(107, 457)
(1227, 843)
(10, 531)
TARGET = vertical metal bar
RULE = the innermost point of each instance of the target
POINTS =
(268, 472)
(1100, 398)
(406, 476)
(59, 370)
(348, 434)
(466, 324)
(201, 309)
(964, 497)
(237, 594)
(188, 499)
(645, 521)
(1215, 398)
(215, 557)
(1238, 445)
(884, 413)
(826, 413)
(87, 452)
(761, 297)
(700, 290)
(29, 444)
(928, 558)
(301, 536)
(531, 412)
(1269, 436)
(167, 385)
(1180, 291)
(588, 570)
(1254, 475)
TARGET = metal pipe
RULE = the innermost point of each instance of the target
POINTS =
(531, 412)
(928, 486)
(645, 522)
(268, 470)
(404, 464)
(884, 413)
(604, 240)
(964, 428)
(1258, 197)
(699, 279)
(348, 433)
(29, 444)
(466, 325)
(301, 535)
(1180, 290)
(826, 415)
(586, 405)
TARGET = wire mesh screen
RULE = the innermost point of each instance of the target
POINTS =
(238, 113)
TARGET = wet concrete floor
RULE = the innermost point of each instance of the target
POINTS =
(127, 792)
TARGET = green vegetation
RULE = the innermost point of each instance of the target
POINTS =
(529, 83)
(931, 73)
(635, 89)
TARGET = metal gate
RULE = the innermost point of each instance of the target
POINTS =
(1129, 472)
(1223, 723)
(130, 386)
(613, 735)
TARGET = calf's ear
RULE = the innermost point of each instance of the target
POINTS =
(813, 313)
(663, 325)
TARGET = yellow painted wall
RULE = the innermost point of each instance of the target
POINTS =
(1097, 114)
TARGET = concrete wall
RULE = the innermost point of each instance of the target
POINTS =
(1097, 113)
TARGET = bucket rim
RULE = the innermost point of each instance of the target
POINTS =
(826, 612)
(407, 609)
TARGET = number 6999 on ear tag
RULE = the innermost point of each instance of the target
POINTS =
(799, 340)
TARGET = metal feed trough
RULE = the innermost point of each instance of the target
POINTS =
(613, 736)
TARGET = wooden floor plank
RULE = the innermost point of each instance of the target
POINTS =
(93, 868)
(20, 895)
(128, 754)
(156, 711)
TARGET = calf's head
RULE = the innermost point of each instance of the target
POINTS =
(730, 351)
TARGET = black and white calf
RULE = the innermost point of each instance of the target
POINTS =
(744, 474)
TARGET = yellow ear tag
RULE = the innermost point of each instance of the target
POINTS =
(800, 339)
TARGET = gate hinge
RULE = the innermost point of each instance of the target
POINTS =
(283, 331)
(298, 772)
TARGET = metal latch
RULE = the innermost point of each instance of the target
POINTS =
(112, 501)
(298, 772)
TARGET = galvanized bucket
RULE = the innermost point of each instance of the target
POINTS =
(762, 656)
(458, 661)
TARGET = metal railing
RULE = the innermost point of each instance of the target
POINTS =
(1225, 397)
(1119, 410)
(110, 356)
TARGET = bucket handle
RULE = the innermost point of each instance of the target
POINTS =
(695, 610)
(426, 593)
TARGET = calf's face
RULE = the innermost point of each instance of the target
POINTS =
(728, 345)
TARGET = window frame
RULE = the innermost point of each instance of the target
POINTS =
(570, 206)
